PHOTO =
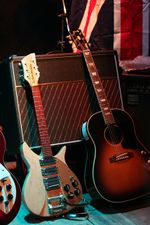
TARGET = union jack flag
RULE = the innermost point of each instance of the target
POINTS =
(123, 25)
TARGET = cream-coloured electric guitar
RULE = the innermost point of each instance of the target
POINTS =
(50, 188)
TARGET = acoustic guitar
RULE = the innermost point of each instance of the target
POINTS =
(116, 171)
(50, 187)
(10, 193)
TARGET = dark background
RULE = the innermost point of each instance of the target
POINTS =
(31, 26)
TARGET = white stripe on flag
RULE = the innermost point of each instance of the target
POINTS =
(117, 26)
(84, 18)
(93, 19)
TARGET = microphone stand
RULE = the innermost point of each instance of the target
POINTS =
(62, 41)
(63, 19)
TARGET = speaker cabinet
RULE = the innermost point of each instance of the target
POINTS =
(67, 94)
(136, 95)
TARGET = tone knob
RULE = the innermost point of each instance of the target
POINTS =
(71, 195)
(74, 183)
(67, 187)
(6, 203)
(10, 197)
(1, 198)
(77, 191)
(8, 187)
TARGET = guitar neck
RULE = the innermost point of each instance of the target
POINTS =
(41, 122)
(98, 87)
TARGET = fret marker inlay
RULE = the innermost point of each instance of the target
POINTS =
(91, 64)
(108, 113)
(94, 73)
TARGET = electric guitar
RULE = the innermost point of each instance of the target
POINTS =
(50, 188)
(116, 171)
(10, 193)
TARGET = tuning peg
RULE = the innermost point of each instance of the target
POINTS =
(69, 39)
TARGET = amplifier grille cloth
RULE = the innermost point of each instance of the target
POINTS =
(66, 107)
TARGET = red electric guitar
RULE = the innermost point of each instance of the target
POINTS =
(116, 171)
(10, 193)
(50, 188)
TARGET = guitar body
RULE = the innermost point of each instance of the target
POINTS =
(10, 194)
(56, 200)
(115, 170)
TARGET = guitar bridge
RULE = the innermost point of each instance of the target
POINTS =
(56, 204)
(123, 156)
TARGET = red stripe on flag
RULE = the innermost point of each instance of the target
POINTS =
(131, 29)
(90, 10)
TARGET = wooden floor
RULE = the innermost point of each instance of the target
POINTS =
(95, 214)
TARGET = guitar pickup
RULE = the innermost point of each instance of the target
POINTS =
(47, 161)
(49, 171)
(52, 183)
(123, 156)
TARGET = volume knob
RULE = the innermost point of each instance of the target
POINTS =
(67, 187)
(10, 197)
(77, 191)
(8, 187)
(74, 183)
(1, 198)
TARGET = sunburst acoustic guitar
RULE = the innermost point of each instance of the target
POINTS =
(116, 171)
(50, 187)
(10, 193)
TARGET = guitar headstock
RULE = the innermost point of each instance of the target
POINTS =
(29, 70)
(77, 37)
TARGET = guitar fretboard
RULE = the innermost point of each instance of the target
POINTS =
(41, 121)
(98, 87)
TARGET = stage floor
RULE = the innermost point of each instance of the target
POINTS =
(95, 214)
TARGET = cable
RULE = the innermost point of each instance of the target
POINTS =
(76, 216)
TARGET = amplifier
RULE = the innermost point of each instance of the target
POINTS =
(67, 94)
(136, 97)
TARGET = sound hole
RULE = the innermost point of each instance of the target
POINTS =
(113, 134)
